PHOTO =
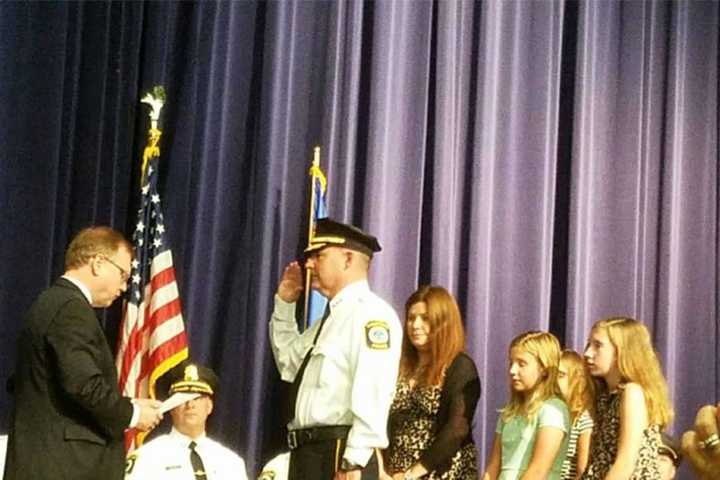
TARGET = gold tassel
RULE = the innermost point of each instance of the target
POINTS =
(152, 150)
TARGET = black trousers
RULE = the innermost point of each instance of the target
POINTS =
(320, 461)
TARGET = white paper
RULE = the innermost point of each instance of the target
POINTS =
(3, 448)
(177, 399)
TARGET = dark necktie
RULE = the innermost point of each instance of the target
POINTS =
(197, 463)
(295, 387)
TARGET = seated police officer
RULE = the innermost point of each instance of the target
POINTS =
(186, 453)
(344, 367)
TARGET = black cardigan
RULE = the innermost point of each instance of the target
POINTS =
(458, 399)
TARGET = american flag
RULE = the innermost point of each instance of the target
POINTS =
(152, 334)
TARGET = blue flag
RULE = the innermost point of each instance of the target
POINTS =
(316, 301)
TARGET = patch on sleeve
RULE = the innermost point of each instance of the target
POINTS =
(377, 334)
(130, 463)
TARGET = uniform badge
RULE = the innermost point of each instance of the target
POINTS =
(267, 475)
(191, 374)
(130, 463)
(377, 335)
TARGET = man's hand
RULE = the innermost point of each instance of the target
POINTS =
(348, 475)
(705, 461)
(150, 415)
(291, 283)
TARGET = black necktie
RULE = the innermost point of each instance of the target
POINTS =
(196, 462)
(295, 387)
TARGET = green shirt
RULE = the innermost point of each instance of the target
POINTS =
(518, 436)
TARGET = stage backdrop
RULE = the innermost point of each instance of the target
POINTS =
(551, 163)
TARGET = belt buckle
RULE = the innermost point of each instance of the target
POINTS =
(292, 439)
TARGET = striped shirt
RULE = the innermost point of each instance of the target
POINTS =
(584, 423)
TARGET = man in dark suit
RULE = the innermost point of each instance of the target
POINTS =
(69, 416)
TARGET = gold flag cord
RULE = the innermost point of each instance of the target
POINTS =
(152, 150)
(156, 100)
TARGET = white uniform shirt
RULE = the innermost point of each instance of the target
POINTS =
(277, 468)
(168, 458)
(350, 378)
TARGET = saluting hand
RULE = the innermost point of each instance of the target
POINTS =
(291, 283)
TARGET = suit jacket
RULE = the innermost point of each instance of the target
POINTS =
(69, 416)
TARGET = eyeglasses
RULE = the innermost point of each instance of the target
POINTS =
(124, 274)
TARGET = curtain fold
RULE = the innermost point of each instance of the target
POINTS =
(644, 217)
(64, 152)
(448, 142)
(512, 190)
(687, 317)
(395, 153)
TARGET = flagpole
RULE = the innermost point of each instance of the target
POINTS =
(311, 231)
(141, 362)
(156, 100)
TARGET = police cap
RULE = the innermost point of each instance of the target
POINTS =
(329, 233)
(193, 378)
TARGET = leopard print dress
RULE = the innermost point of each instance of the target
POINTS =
(604, 444)
(414, 411)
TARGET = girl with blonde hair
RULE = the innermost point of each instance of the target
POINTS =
(576, 386)
(632, 406)
(531, 435)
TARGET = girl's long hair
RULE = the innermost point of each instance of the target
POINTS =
(545, 347)
(446, 339)
(581, 388)
(638, 363)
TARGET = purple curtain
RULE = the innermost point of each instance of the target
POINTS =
(644, 218)
(551, 163)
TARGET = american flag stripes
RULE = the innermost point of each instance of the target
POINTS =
(152, 334)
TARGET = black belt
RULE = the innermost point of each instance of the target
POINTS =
(300, 437)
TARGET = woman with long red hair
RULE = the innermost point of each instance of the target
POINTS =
(438, 388)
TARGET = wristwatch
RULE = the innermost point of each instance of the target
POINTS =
(409, 476)
(347, 465)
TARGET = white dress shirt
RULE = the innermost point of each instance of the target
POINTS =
(351, 375)
(168, 458)
(85, 290)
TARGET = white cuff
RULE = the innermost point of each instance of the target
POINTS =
(283, 310)
(135, 416)
(358, 456)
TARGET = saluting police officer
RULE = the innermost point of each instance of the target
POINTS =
(186, 453)
(344, 367)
